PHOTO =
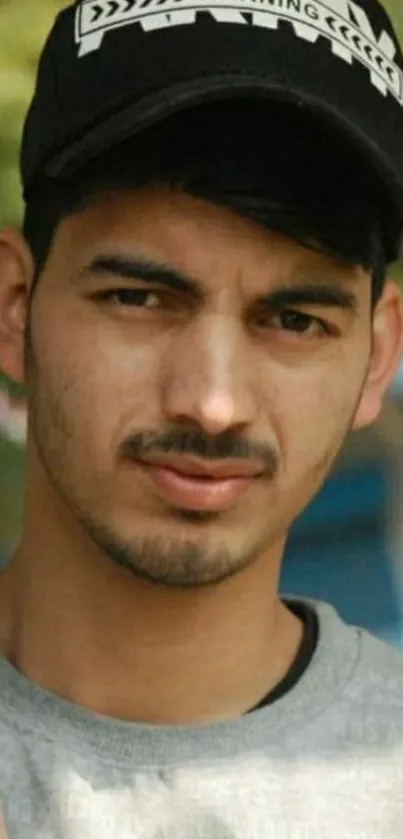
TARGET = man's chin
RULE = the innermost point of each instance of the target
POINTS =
(189, 557)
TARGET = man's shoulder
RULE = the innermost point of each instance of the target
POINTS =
(369, 711)
(355, 665)
(359, 681)
(367, 706)
(379, 669)
(373, 660)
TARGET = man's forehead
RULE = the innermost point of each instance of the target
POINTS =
(189, 231)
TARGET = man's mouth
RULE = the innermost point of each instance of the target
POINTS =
(195, 485)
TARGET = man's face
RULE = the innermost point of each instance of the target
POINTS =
(192, 379)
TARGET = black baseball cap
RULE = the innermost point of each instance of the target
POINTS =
(111, 68)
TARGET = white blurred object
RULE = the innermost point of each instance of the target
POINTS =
(13, 418)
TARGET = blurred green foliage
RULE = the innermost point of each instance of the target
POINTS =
(23, 28)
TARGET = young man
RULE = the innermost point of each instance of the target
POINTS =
(199, 309)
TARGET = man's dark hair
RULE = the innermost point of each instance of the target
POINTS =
(280, 167)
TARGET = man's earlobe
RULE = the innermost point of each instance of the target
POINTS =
(386, 354)
(16, 276)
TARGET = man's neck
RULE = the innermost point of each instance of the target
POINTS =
(123, 648)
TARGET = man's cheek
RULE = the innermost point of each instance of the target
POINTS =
(312, 437)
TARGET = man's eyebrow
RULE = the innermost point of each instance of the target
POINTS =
(321, 293)
(140, 268)
(329, 293)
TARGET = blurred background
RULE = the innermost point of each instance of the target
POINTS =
(347, 547)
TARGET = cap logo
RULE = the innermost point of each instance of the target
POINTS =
(343, 22)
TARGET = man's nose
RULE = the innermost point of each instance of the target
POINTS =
(209, 377)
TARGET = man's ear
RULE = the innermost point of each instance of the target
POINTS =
(16, 277)
(386, 354)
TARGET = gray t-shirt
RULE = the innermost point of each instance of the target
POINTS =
(324, 760)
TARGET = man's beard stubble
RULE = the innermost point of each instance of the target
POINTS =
(191, 562)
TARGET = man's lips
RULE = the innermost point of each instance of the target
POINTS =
(191, 484)
(193, 467)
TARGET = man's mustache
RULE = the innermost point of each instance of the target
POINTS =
(225, 446)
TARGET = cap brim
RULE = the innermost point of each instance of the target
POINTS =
(157, 107)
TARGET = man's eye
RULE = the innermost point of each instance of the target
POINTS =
(134, 297)
(293, 321)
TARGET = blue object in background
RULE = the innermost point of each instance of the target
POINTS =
(338, 551)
